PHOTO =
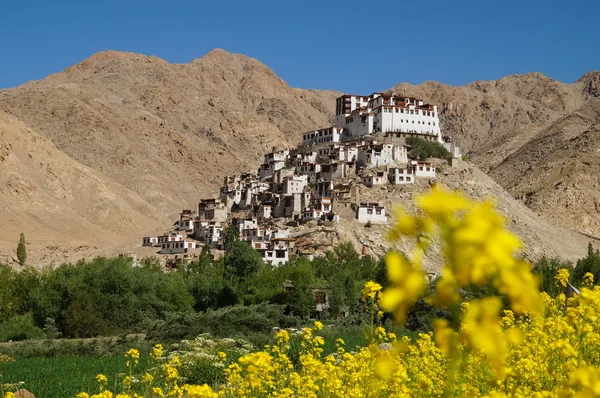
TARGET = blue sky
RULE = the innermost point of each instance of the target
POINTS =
(348, 46)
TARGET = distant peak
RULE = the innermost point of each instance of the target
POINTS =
(591, 81)
(588, 76)
(108, 56)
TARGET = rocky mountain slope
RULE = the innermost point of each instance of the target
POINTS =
(61, 205)
(539, 237)
(529, 132)
(557, 173)
(163, 135)
(168, 131)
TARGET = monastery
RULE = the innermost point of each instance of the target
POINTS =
(312, 182)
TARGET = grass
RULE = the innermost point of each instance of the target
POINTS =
(65, 376)
(60, 377)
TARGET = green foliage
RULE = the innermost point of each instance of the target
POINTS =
(546, 271)
(50, 330)
(62, 376)
(249, 322)
(22, 250)
(590, 263)
(89, 347)
(20, 327)
(422, 149)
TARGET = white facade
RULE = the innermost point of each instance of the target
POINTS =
(376, 179)
(267, 170)
(177, 247)
(329, 134)
(169, 238)
(361, 115)
(276, 256)
(277, 155)
(185, 224)
(423, 169)
(375, 155)
(398, 175)
(209, 232)
(371, 212)
(294, 184)
(150, 241)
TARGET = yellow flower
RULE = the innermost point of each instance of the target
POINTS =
(588, 278)
(132, 356)
(562, 277)
(370, 290)
(203, 391)
(407, 284)
(102, 380)
(440, 203)
(147, 378)
(157, 351)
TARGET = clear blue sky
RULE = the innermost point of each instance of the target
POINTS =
(349, 46)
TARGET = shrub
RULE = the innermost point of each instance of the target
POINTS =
(422, 149)
(20, 327)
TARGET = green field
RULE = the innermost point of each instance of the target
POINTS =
(61, 376)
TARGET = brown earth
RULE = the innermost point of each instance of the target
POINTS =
(539, 237)
(537, 137)
(153, 137)
(63, 207)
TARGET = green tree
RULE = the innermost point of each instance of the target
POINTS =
(422, 149)
(231, 238)
(22, 250)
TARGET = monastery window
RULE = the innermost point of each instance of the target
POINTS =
(369, 211)
(420, 168)
(428, 169)
(378, 211)
(401, 179)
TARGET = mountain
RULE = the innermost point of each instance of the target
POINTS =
(59, 203)
(557, 173)
(168, 132)
(537, 137)
(147, 138)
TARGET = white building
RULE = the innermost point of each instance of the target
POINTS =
(310, 170)
(371, 212)
(169, 238)
(276, 257)
(294, 184)
(329, 134)
(267, 170)
(375, 155)
(185, 224)
(209, 232)
(400, 175)
(150, 241)
(371, 180)
(177, 247)
(360, 115)
(423, 169)
(278, 154)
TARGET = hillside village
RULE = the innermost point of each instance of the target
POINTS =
(316, 182)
